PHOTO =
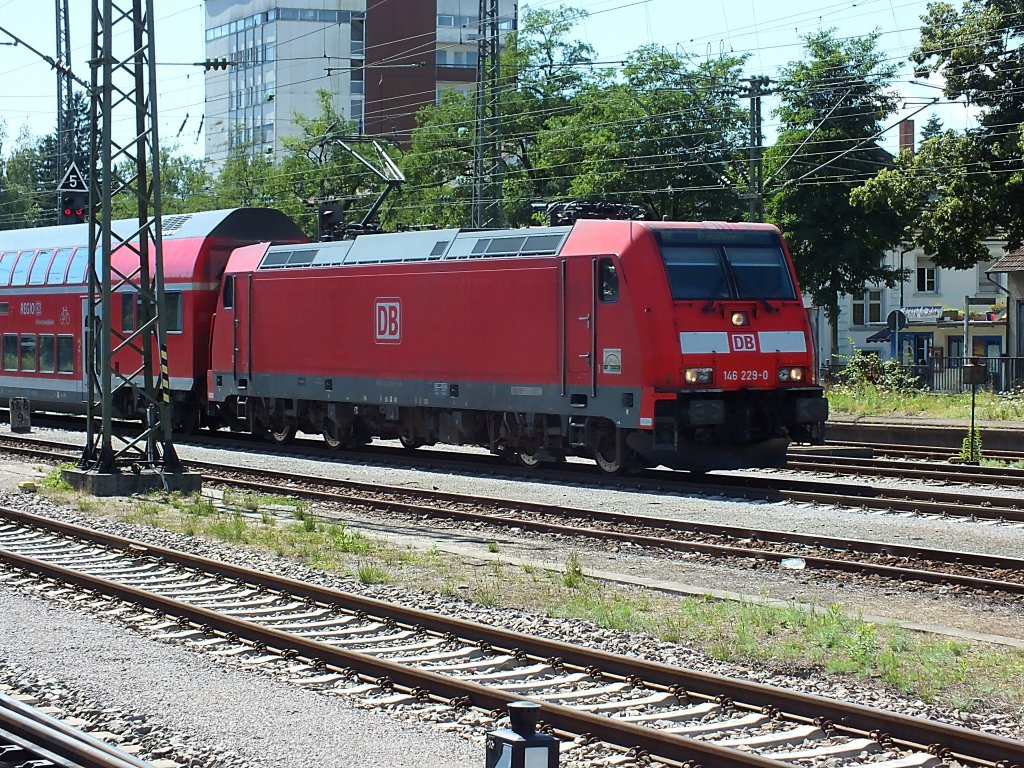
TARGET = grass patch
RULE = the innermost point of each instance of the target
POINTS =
(864, 399)
(54, 480)
(371, 573)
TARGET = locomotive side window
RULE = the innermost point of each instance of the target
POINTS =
(229, 292)
(58, 267)
(695, 272)
(65, 354)
(39, 269)
(760, 272)
(10, 351)
(47, 359)
(607, 281)
(20, 275)
(28, 352)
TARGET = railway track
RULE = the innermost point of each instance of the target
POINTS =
(392, 654)
(29, 737)
(818, 553)
(931, 453)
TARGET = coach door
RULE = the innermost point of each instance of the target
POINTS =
(580, 302)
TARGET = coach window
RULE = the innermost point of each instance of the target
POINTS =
(20, 276)
(10, 351)
(229, 292)
(128, 311)
(65, 354)
(47, 360)
(608, 281)
(28, 352)
(79, 266)
(173, 320)
(58, 267)
(39, 269)
(6, 266)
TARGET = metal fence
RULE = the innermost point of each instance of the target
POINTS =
(946, 374)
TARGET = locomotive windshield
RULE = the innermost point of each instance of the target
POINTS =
(724, 264)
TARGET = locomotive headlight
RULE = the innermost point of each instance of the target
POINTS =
(791, 374)
(699, 375)
(740, 318)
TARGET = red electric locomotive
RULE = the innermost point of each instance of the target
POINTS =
(635, 343)
(44, 292)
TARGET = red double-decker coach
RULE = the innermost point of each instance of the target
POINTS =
(44, 296)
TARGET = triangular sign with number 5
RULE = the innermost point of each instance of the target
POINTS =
(72, 181)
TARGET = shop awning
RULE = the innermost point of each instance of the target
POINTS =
(879, 336)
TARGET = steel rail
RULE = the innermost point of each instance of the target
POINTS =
(56, 741)
(907, 731)
(416, 681)
(922, 501)
(680, 526)
(674, 526)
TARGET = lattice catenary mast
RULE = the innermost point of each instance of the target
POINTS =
(487, 167)
(129, 255)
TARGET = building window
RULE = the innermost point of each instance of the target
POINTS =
(926, 282)
(867, 307)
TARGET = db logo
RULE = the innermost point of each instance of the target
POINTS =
(388, 321)
(743, 342)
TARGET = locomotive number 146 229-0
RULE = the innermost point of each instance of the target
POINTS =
(747, 375)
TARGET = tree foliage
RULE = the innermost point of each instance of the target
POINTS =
(978, 52)
(832, 105)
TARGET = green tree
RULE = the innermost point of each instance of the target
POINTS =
(932, 128)
(832, 105)
(978, 51)
(542, 71)
(665, 134)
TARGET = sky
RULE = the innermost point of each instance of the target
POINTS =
(770, 32)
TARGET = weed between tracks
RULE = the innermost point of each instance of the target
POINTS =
(959, 674)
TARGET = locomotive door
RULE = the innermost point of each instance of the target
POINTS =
(241, 326)
(580, 303)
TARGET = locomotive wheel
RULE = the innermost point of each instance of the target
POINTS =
(332, 440)
(281, 436)
(604, 456)
(527, 459)
(409, 444)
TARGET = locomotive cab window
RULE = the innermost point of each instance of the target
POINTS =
(760, 272)
(695, 272)
(607, 281)
(723, 264)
